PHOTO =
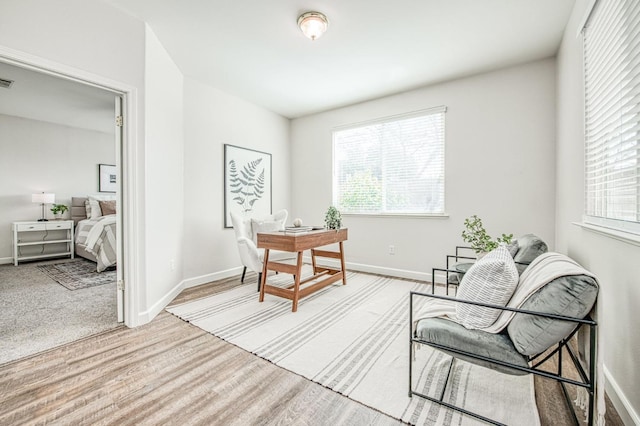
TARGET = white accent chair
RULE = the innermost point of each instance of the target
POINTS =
(246, 229)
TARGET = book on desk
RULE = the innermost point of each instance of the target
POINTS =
(296, 229)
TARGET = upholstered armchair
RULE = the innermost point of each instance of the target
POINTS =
(520, 333)
(247, 229)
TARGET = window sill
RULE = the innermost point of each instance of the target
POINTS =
(625, 237)
(400, 215)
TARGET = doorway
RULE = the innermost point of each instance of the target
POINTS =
(78, 93)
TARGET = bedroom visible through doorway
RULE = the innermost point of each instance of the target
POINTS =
(56, 133)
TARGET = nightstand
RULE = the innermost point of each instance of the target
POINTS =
(40, 240)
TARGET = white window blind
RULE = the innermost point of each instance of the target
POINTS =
(391, 166)
(612, 114)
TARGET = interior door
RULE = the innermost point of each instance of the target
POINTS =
(119, 226)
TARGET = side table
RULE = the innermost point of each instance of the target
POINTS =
(53, 238)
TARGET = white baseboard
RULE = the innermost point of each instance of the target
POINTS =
(203, 279)
(6, 260)
(624, 408)
(381, 270)
(157, 307)
(148, 315)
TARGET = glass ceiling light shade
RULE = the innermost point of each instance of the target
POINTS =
(313, 24)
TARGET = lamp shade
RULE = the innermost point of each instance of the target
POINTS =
(43, 198)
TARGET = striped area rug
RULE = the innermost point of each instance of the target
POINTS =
(354, 339)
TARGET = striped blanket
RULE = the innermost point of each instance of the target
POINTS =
(98, 237)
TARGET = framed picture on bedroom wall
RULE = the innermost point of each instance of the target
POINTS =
(247, 182)
(107, 178)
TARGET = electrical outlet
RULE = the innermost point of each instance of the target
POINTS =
(392, 249)
(172, 264)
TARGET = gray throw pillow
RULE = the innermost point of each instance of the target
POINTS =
(570, 295)
(529, 247)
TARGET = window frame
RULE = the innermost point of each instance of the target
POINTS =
(387, 119)
(622, 229)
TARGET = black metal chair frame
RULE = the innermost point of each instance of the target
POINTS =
(448, 269)
(588, 379)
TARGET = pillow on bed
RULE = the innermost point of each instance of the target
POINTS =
(107, 207)
(92, 205)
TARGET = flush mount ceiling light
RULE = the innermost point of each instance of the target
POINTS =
(313, 24)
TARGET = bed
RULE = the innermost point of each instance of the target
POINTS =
(95, 235)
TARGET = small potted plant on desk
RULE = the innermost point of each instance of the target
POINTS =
(58, 210)
(333, 218)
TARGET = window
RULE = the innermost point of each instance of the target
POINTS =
(391, 166)
(612, 115)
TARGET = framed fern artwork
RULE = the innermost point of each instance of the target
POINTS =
(247, 182)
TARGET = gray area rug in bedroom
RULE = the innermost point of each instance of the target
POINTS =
(36, 313)
(78, 274)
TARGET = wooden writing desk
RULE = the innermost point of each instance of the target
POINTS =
(299, 242)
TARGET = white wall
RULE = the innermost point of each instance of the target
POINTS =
(613, 261)
(98, 42)
(500, 135)
(39, 156)
(164, 186)
(212, 119)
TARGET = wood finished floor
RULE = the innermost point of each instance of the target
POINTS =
(172, 373)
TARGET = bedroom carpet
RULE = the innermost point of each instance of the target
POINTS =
(78, 273)
(353, 339)
(37, 314)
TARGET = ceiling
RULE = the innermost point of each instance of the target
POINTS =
(254, 49)
(39, 96)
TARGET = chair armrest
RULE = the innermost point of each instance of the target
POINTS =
(501, 308)
(456, 257)
(447, 272)
(249, 254)
(248, 242)
(460, 248)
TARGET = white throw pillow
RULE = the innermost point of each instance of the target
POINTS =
(492, 279)
(92, 205)
(265, 226)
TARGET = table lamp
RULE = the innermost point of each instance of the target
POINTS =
(43, 199)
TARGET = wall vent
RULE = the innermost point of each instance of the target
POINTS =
(5, 83)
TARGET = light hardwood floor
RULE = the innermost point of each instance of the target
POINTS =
(170, 372)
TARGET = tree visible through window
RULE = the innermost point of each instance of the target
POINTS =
(392, 166)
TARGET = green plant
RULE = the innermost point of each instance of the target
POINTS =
(58, 208)
(361, 191)
(477, 236)
(333, 218)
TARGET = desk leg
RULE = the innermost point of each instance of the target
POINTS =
(263, 280)
(296, 288)
(313, 261)
(342, 266)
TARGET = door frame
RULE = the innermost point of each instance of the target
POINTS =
(128, 213)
